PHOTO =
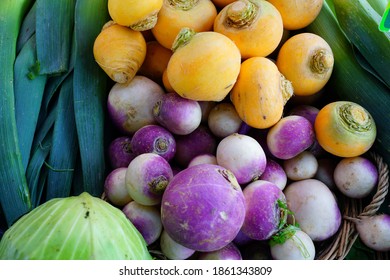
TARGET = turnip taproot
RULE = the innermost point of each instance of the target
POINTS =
(177, 114)
(302, 166)
(156, 139)
(355, 177)
(274, 173)
(242, 155)
(130, 106)
(229, 252)
(146, 219)
(315, 208)
(120, 152)
(115, 187)
(147, 176)
(223, 120)
(173, 250)
(205, 158)
(264, 212)
(203, 207)
(374, 231)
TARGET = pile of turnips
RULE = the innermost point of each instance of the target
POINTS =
(211, 156)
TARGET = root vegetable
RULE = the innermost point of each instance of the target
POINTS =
(223, 120)
(375, 231)
(173, 250)
(274, 173)
(120, 152)
(325, 171)
(302, 166)
(205, 158)
(115, 187)
(229, 252)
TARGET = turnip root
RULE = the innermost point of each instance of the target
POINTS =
(302, 166)
(177, 114)
(223, 120)
(242, 155)
(205, 158)
(315, 208)
(203, 207)
(120, 152)
(264, 214)
(147, 176)
(130, 106)
(274, 173)
(173, 250)
(297, 246)
(115, 187)
(290, 136)
(374, 231)
(146, 219)
(325, 171)
(229, 252)
(355, 177)
(156, 139)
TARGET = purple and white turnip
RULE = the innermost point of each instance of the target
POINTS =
(274, 173)
(120, 152)
(302, 166)
(223, 120)
(374, 231)
(229, 252)
(173, 250)
(115, 187)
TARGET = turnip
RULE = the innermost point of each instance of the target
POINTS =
(290, 136)
(265, 210)
(242, 155)
(177, 114)
(200, 141)
(223, 120)
(302, 166)
(229, 252)
(292, 244)
(325, 171)
(242, 239)
(173, 250)
(115, 187)
(315, 208)
(274, 173)
(355, 177)
(203, 207)
(206, 107)
(130, 106)
(147, 176)
(156, 139)
(374, 231)
(205, 158)
(120, 152)
(146, 219)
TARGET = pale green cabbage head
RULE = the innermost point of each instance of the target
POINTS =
(74, 228)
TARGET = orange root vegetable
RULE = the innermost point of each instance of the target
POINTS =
(167, 85)
(119, 51)
(222, 3)
(260, 93)
(297, 14)
(345, 129)
(138, 15)
(307, 61)
(155, 62)
(174, 15)
(255, 26)
(204, 66)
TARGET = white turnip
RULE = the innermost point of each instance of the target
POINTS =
(173, 250)
(115, 187)
(302, 166)
(223, 120)
(374, 231)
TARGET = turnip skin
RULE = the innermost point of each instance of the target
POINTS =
(147, 176)
(355, 177)
(203, 207)
(302, 166)
(242, 155)
(173, 250)
(274, 173)
(156, 139)
(205, 158)
(297, 247)
(146, 219)
(374, 231)
(290, 136)
(224, 120)
(315, 208)
(177, 114)
(130, 106)
(115, 187)
(263, 214)
(229, 252)
(120, 152)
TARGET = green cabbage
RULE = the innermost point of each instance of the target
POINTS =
(74, 228)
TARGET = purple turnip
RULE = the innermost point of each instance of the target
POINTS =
(154, 139)
(264, 211)
(146, 219)
(302, 166)
(290, 136)
(147, 176)
(203, 207)
(374, 231)
(242, 155)
(173, 250)
(229, 252)
(355, 177)
(274, 173)
(115, 187)
(120, 152)
(224, 120)
(205, 158)
(200, 141)
(130, 106)
(177, 114)
(315, 208)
